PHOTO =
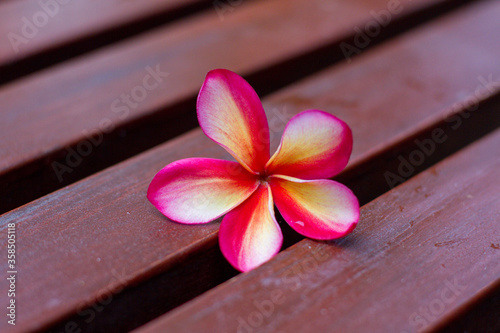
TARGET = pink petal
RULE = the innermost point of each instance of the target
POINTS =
(249, 235)
(314, 145)
(231, 114)
(318, 209)
(198, 190)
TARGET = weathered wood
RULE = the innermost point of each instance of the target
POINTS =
(420, 253)
(38, 33)
(83, 123)
(100, 237)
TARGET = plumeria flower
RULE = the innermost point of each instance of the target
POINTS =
(315, 146)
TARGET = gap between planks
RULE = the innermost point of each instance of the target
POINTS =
(74, 28)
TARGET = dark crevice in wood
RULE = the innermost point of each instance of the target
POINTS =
(67, 50)
(139, 302)
(37, 178)
(481, 315)
(267, 80)
(473, 126)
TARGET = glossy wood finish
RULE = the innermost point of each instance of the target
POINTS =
(420, 253)
(106, 252)
(78, 104)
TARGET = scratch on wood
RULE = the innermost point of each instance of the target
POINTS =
(450, 242)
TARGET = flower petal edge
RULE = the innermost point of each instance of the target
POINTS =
(249, 235)
(314, 145)
(199, 190)
(231, 114)
(317, 209)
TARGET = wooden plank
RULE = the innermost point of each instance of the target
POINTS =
(107, 252)
(40, 33)
(82, 105)
(421, 252)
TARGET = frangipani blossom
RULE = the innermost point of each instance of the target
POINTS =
(315, 146)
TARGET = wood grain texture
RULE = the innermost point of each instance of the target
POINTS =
(106, 252)
(420, 253)
(49, 116)
(37, 33)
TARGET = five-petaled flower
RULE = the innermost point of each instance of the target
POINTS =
(315, 146)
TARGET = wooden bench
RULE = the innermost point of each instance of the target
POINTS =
(95, 256)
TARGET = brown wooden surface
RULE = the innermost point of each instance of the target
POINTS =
(40, 33)
(101, 237)
(66, 105)
(420, 253)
